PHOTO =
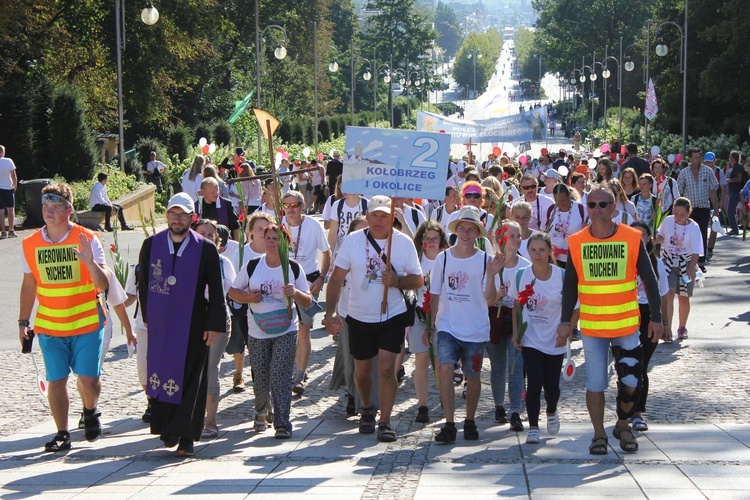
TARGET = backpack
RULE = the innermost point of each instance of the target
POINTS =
(580, 212)
(340, 207)
(253, 263)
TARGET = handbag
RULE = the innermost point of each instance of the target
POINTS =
(309, 187)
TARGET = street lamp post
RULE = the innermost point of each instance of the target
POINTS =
(606, 74)
(334, 67)
(592, 77)
(473, 54)
(149, 16)
(662, 50)
(279, 53)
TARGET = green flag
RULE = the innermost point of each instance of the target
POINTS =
(240, 107)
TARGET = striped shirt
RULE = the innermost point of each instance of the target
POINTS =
(697, 190)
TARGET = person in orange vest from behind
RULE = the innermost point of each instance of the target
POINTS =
(603, 261)
(63, 265)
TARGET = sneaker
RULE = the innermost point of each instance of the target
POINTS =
(447, 433)
(682, 333)
(423, 416)
(400, 375)
(500, 416)
(12, 234)
(702, 268)
(515, 422)
(532, 437)
(3, 235)
(553, 424)
(470, 430)
(147, 414)
(238, 383)
(185, 449)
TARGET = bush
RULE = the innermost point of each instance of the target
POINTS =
(143, 147)
(178, 142)
(222, 134)
(297, 132)
(202, 130)
(75, 153)
(324, 128)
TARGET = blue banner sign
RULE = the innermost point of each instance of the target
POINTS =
(397, 163)
(530, 125)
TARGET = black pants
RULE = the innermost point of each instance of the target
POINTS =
(107, 209)
(648, 351)
(156, 180)
(702, 216)
(542, 371)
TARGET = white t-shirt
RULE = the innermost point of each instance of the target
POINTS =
(462, 309)
(440, 215)
(366, 267)
(409, 217)
(326, 213)
(542, 313)
(509, 274)
(455, 182)
(523, 250)
(155, 165)
(426, 265)
(663, 283)
(6, 167)
(623, 217)
(539, 209)
(563, 225)
(682, 240)
(269, 281)
(247, 254)
(671, 192)
(344, 214)
(488, 218)
(131, 289)
(305, 245)
(191, 187)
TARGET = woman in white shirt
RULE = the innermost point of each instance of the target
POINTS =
(622, 203)
(191, 179)
(565, 218)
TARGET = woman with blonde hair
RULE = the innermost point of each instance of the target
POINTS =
(191, 179)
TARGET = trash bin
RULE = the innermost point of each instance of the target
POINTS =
(32, 195)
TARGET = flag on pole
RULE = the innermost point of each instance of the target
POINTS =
(652, 107)
(240, 107)
(263, 117)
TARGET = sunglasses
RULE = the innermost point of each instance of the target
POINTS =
(530, 186)
(602, 204)
(292, 205)
(474, 196)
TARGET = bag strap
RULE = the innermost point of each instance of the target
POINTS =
(385, 259)
(415, 217)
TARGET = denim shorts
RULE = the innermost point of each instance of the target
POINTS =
(80, 353)
(450, 350)
(596, 352)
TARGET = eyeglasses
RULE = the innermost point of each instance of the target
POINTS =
(292, 205)
(176, 216)
(431, 240)
(602, 204)
(530, 186)
(470, 196)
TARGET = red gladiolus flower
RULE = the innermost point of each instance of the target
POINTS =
(499, 232)
(505, 239)
(112, 248)
(505, 176)
(239, 169)
(505, 227)
(426, 303)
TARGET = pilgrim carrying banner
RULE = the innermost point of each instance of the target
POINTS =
(396, 163)
(530, 125)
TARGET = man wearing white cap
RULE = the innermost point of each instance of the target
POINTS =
(179, 271)
(362, 259)
(462, 284)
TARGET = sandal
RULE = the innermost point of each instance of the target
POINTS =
(599, 445)
(367, 420)
(640, 424)
(627, 444)
(61, 442)
(209, 433)
(260, 426)
(92, 426)
(386, 434)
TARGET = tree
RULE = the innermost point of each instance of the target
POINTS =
(487, 45)
(75, 153)
(446, 24)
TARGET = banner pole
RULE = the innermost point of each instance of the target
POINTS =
(384, 303)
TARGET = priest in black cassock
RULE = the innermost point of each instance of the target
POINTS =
(182, 299)
(212, 206)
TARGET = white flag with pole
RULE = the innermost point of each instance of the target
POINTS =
(652, 107)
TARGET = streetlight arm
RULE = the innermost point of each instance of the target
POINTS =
(682, 38)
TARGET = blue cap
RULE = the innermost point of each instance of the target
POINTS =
(709, 156)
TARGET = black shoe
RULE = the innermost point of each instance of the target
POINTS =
(351, 409)
(125, 227)
(471, 433)
(447, 434)
(702, 268)
(423, 416)
(401, 374)
(92, 425)
(500, 416)
(515, 422)
(61, 442)
(108, 229)
(185, 449)
(147, 414)
(170, 441)
(81, 422)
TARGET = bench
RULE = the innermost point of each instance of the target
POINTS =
(129, 203)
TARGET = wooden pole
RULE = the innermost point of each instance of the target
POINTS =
(384, 304)
(266, 176)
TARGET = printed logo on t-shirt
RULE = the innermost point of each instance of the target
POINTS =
(536, 303)
(270, 290)
(457, 280)
(375, 268)
(677, 240)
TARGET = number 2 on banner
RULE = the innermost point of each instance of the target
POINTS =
(422, 161)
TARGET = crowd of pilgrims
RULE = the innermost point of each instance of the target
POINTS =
(538, 207)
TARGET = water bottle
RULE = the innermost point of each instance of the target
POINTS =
(699, 278)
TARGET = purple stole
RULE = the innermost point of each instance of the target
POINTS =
(171, 297)
(221, 211)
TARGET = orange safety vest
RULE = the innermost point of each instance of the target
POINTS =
(607, 288)
(68, 301)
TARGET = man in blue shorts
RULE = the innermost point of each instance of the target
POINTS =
(63, 267)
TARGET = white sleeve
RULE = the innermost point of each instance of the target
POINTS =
(343, 257)
(436, 274)
(115, 294)
(326, 214)
(241, 281)
(322, 243)
(97, 250)
(130, 287)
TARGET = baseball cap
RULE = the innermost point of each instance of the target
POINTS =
(552, 174)
(183, 201)
(710, 156)
(379, 203)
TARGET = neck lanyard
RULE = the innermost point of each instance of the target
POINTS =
(299, 232)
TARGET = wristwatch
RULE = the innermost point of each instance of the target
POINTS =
(23, 322)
